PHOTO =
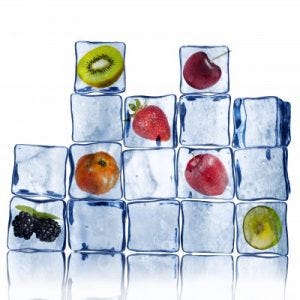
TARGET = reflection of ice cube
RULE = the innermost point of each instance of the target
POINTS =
(207, 277)
(149, 174)
(82, 48)
(261, 173)
(96, 118)
(207, 227)
(242, 245)
(35, 275)
(261, 121)
(218, 55)
(153, 226)
(54, 207)
(204, 120)
(96, 225)
(261, 278)
(77, 151)
(40, 171)
(95, 276)
(167, 104)
(152, 276)
(186, 154)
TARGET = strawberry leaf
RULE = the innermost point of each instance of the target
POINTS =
(138, 103)
(132, 107)
(35, 213)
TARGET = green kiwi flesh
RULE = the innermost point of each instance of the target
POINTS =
(101, 67)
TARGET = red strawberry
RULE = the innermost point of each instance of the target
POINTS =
(150, 122)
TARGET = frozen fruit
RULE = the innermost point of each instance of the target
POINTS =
(150, 122)
(24, 225)
(97, 173)
(200, 72)
(47, 230)
(206, 174)
(262, 227)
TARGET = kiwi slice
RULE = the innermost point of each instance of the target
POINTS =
(101, 67)
(262, 227)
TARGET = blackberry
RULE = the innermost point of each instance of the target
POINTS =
(24, 225)
(47, 230)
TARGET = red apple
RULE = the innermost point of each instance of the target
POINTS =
(200, 72)
(206, 174)
(96, 173)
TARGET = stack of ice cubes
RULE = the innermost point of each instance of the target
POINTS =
(152, 209)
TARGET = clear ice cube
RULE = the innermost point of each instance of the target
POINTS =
(153, 226)
(204, 120)
(40, 171)
(207, 277)
(95, 276)
(96, 225)
(260, 122)
(96, 118)
(207, 227)
(167, 104)
(149, 174)
(77, 151)
(261, 173)
(53, 207)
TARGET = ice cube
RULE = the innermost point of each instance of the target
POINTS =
(105, 189)
(96, 225)
(152, 276)
(96, 118)
(57, 211)
(206, 67)
(261, 173)
(156, 119)
(212, 182)
(114, 80)
(149, 174)
(95, 276)
(39, 171)
(207, 277)
(35, 275)
(153, 226)
(261, 121)
(207, 227)
(261, 278)
(204, 120)
(243, 247)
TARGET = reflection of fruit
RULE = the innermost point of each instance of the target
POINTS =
(262, 227)
(96, 173)
(206, 174)
(101, 66)
(150, 122)
(24, 225)
(200, 72)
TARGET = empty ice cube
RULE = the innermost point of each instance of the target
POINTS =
(261, 173)
(36, 239)
(204, 120)
(150, 121)
(102, 170)
(39, 171)
(149, 174)
(209, 175)
(35, 275)
(204, 69)
(102, 70)
(153, 226)
(95, 276)
(261, 121)
(96, 118)
(96, 225)
(152, 276)
(261, 278)
(207, 277)
(244, 247)
(207, 227)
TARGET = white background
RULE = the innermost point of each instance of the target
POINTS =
(37, 70)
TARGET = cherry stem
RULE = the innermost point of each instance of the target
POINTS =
(220, 55)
